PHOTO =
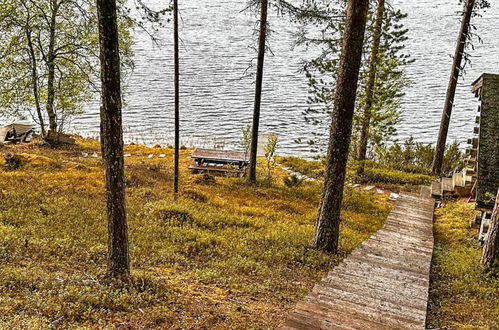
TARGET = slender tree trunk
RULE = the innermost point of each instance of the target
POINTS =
(51, 68)
(490, 255)
(451, 89)
(328, 221)
(112, 138)
(177, 100)
(34, 82)
(258, 90)
(373, 63)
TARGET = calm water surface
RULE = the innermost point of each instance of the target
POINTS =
(216, 103)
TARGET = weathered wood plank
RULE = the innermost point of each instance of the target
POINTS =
(436, 189)
(381, 285)
(220, 155)
(447, 185)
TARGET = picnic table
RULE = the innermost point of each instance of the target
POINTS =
(16, 132)
(219, 161)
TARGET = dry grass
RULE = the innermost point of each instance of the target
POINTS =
(226, 255)
(462, 296)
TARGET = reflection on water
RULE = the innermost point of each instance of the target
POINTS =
(216, 103)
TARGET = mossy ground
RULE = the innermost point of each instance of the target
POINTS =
(227, 255)
(374, 173)
(462, 296)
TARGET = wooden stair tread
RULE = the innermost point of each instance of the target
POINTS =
(383, 284)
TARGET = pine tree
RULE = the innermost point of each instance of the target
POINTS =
(112, 138)
(451, 88)
(389, 76)
(177, 101)
(373, 63)
(328, 221)
(258, 90)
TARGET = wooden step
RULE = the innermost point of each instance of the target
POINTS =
(458, 180)
(473, 152)
(473, 142)
(447, 185)
(436, 189)
(425, 191)
(381, 285)
(468, 178)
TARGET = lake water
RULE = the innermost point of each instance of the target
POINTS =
(216, 102)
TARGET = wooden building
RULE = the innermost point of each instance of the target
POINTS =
(484, 149)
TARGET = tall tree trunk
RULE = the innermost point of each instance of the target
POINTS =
(34, 82)
(328, 220)
(177, 100)
(373, 63)
(451, 89)
(490, 255)
(51, 67)
(258, 90)
(112, 138)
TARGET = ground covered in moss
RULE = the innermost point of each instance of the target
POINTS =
(462, 296)
(374, 173)
(227, 255)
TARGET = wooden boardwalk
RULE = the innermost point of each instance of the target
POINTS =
(383, 284)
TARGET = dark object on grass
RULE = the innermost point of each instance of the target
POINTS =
(206, 179)
(175, 216)
(195, 196)
(14, 162)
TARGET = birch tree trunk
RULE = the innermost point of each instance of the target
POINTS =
(373, 63)
(258, 90)
(34, 81)
(112, 139)
(328, 221)
(51, 67)
(451, 89)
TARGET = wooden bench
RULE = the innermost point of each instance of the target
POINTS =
(219, 161)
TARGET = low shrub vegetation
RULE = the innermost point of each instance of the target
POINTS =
(417, 157)
(392, 176)
(226, 255)
(462, 296)
(374, 173)
(311, 168)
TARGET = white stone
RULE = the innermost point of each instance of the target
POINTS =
(394, 196)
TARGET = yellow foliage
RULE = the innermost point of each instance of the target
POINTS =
(462, 296)
(226, 255)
